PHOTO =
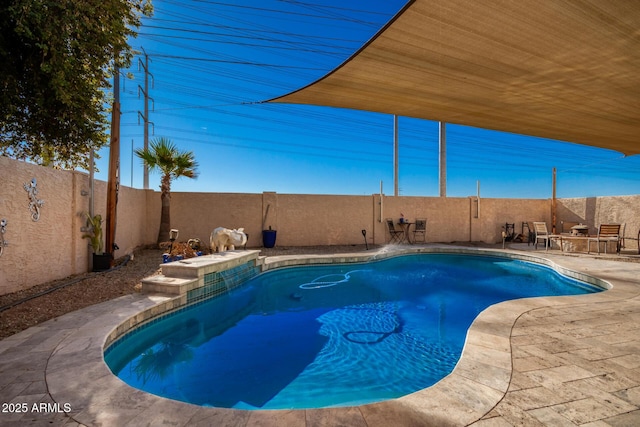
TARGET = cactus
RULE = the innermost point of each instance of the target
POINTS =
(94, 224)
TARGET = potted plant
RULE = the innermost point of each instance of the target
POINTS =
(101, 260)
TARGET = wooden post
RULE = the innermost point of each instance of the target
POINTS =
(114, 168)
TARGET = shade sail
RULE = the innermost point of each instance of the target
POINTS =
(565, 70)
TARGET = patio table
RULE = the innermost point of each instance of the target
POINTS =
(405, 226)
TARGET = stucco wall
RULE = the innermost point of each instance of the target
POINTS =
(594, 211)
(320, 220)
(447, 218)
(458, 219)
(53, 247)
(495, 213)
(308, 220)
(38, 250)
(195, 215)
(132, 228)
(300, 220)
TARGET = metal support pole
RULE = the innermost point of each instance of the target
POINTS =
(145, 116)
(396, 152)
(443, 158)
(146, 119)
(553, 203)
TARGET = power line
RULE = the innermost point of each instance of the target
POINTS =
(222, 61)
(284, 12)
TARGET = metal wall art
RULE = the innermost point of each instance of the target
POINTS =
(3, 229)
(34, 203)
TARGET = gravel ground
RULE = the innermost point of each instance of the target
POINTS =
(92, 288)
(85, 289)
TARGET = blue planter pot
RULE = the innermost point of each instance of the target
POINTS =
(268, 238)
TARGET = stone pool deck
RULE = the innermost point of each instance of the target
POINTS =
(541, 361)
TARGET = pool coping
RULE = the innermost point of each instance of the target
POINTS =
(76, 374)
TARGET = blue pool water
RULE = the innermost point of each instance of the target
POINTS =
(310, 337)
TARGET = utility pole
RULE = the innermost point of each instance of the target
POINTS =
(145, 116)
(114, 167)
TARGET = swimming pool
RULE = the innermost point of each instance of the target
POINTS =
(309, 337)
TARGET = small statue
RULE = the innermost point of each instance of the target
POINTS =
(225, 239)
(194, 244)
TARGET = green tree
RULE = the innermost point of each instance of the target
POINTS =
(164, 156)
(56, 64)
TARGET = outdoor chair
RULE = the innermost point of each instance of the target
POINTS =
(540, 229)
(509, 231)
(529, 235)
(606, 233)
(420, 229)
(395, 235)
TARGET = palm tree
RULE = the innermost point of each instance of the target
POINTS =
(165, 157)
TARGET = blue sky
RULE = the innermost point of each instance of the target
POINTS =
(213, 62)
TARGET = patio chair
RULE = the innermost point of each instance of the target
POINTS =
(606, 233)
(395, 235)
(529, 235)
(541, 232)
(420, 229)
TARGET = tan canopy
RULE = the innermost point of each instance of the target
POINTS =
(566, 70)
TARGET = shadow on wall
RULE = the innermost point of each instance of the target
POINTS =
(590, 214)
(577, 211)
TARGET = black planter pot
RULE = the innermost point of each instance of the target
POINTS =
(101, 262)
(268, 238)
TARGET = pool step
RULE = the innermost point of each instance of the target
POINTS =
(180, 277)
(168, 285)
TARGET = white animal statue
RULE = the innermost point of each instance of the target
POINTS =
(224, 238)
